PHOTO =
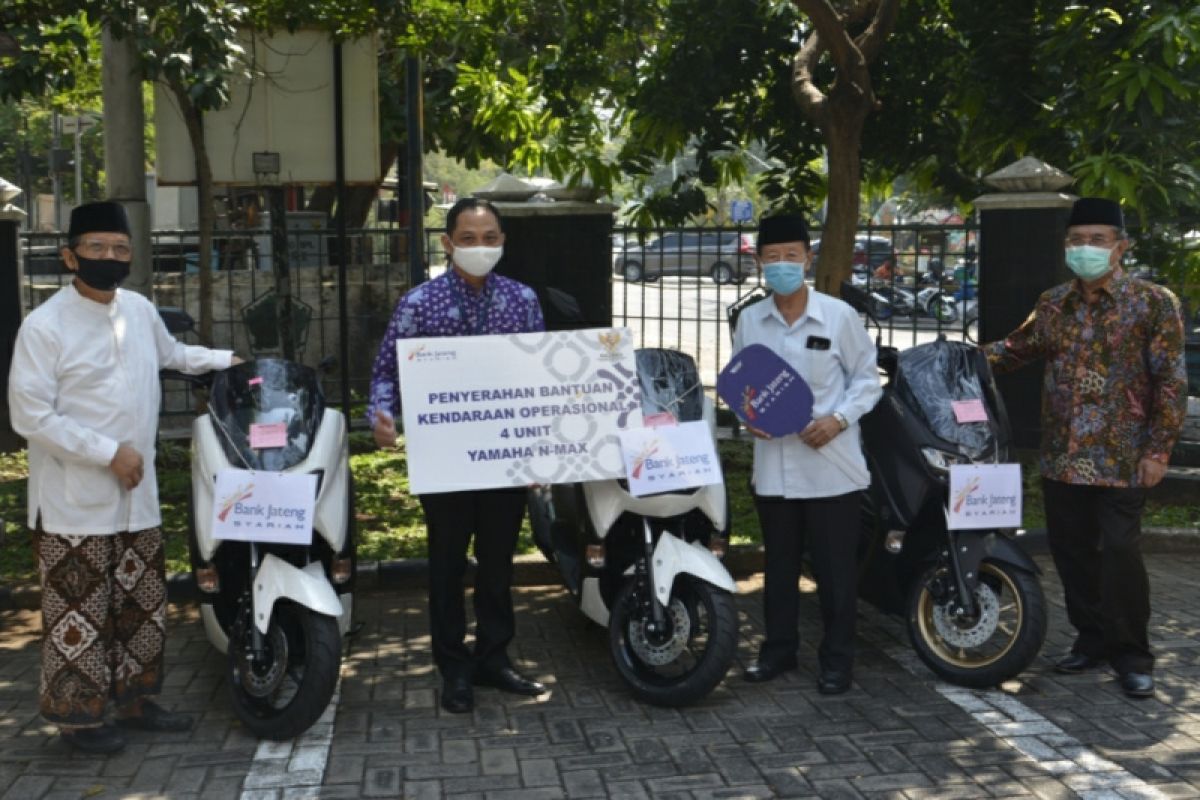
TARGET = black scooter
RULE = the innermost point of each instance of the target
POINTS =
(974, 605)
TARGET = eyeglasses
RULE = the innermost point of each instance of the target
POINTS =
(1095, 240)
(94, 249)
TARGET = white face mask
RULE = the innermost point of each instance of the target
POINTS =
(477, 261)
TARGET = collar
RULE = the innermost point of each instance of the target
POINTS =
(460, 283)
(88, 305)
(1115, 286)
(815, 309)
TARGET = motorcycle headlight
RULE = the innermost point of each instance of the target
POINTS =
(940, 460)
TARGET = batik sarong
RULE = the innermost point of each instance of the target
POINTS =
(104, 604)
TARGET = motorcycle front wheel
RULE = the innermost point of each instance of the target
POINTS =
(982, 650)
(280, 695)
(684, 662)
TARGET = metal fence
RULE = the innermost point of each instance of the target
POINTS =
(671, 287)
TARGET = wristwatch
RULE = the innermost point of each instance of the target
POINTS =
(841, 419)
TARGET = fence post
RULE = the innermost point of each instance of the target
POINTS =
(10, 303)
(1021, 232)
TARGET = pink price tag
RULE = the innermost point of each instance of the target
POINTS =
(663, 419)
(254, 381)
(969, 411)
(268, 435)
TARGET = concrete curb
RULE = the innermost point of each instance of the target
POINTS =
(533, 569)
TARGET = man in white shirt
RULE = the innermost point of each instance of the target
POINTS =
(84, 391)
(807, 487)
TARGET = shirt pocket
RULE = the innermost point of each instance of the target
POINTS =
(820, 369)
(87, 486)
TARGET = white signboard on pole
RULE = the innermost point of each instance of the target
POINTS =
(984, 496)
(484, 412)
(670, 457)
(272, 507)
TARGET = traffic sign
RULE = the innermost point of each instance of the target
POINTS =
(741, 210)
(81, 123)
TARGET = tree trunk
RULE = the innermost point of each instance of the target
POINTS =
(358, 198)
(193, 118)
(842, 141)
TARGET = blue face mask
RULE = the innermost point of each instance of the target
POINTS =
(784, 277)
(1089, 262)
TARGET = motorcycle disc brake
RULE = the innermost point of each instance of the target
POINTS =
(953, 630)
(259, 683)
(657, 653)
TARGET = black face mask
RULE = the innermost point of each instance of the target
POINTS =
(102, 274)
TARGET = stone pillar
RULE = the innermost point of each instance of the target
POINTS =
(1021, 234)
(566, 247)
(125, 152)
(10, 302)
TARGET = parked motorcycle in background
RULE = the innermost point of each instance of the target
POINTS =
(648, 568)
(277, 611)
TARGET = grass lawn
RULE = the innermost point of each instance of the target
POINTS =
(390, 523)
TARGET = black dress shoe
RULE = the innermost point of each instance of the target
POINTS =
(762, 671)
(1077, 664)
(511, 681)
(457, 695)
(104, 740)
(157, 719)
(1137, 684)
(833, 682)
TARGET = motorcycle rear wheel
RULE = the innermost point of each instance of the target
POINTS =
(685, 664)
(944, 311)
(282, 696)
(993, 647)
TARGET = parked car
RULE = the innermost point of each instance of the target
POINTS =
(870, 253)
(723, 256)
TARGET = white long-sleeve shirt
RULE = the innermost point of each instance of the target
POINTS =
(843, 378)
(84, 380)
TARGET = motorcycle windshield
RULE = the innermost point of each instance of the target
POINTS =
(266, 413)
(670, 384)
(943, 383)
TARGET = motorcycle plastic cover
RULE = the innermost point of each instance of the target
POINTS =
(930, 377)
(670, 383)
(264, 392)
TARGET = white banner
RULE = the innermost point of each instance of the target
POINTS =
(670, 457)
(483, 412)
(984, 496)
(272, 507)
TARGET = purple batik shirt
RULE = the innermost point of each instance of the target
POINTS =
(448, 306)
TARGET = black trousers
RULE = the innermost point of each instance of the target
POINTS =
(493, 517)
(1094, 534)
(829, 527)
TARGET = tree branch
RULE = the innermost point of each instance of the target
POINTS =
(812, 100)
(834, 37)
(870, 41)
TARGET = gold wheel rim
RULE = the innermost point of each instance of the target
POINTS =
(967, 658)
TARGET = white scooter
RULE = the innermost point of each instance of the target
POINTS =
(648, 568)
(277, 611)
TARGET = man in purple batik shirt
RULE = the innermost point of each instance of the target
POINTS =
(467, 300)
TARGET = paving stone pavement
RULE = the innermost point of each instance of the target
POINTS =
(898, 734)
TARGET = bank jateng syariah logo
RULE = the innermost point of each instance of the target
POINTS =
(669, 466)
(421, 354)
(243, 492)
(756, 401)
(258, 516)
(972, 501)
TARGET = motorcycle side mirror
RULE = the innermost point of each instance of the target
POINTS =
(327, 365)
